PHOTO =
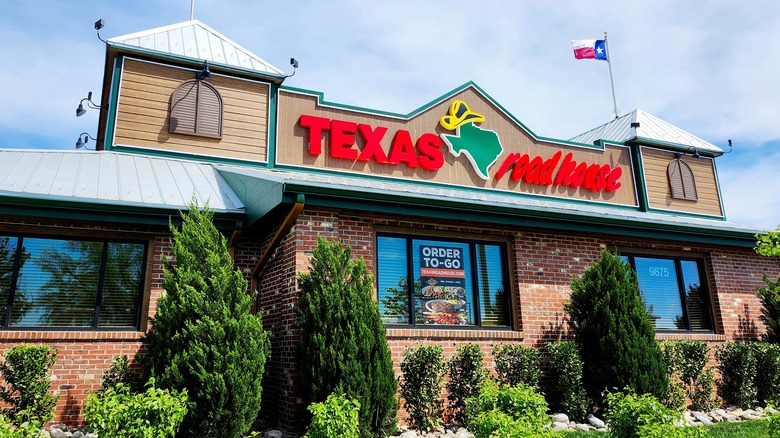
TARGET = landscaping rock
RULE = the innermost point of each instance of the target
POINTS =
(559, 426)
(595, 422)
(57, 433)
(560, 418)
(409, 434)
(274, 434)
(582, 427)
(701, 418)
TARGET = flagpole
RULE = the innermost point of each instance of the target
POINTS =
(611, 80)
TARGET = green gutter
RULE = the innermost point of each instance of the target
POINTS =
(639, 178)
(448, 210)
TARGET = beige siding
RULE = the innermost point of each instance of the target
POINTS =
(655, 163)
(292, 148)
(144, 101)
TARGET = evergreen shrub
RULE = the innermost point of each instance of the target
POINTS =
(154, 413)
(26, 372)
(770, 309)
(737, 367)
(422, 371)
(516, 363)
(686, 363)
(507, 411)
(337, 416)
(613, 331)
(343, 346)
(564, 390)
(466, 375)
(767, 379)
(204, 338)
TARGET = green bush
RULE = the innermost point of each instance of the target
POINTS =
(507, 411)
(343, 346)
(120, 372)
(767, 378)
(613, 331)
(768, 244)
(773, 424)
(26, 371)
(627, 413)
(564, 391)
(423, 369)
(154, 413)
(770, 309)
(337, 416)
(517, 364)
(686, 361)
(737, 366)
(27, 429)
(466, 374)
(204, 338)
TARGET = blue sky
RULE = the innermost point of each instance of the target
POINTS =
(708, 67)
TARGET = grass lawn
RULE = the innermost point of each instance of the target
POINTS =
(720, 430)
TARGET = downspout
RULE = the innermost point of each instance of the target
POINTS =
(284, 228)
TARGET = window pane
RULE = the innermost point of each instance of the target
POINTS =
(57, 285)
(444, 271)
(659, 288)
(393, 280)
(490, 284)
(7, 254)
(698, 308)
(122, 285)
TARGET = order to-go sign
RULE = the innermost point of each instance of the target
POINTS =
(441, 262)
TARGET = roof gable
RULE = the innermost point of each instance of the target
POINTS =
(195, 40)
(650, 128)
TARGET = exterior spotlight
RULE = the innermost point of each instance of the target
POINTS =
(80, 111)
(294, 64)
(83, 140)
(205, 73)
(695, 153)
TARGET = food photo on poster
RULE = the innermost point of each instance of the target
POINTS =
(443, 275)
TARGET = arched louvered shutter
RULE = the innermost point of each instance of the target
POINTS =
(196, 109)
(681, 181)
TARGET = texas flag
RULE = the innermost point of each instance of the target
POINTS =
(590, 49)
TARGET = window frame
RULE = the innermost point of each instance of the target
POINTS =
(95, 325)
(471, 242)
(701, 265)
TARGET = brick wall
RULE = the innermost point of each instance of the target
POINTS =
(542, 265)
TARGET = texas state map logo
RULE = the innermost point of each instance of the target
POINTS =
(481, 146)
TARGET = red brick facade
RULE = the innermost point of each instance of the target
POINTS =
(541, 266)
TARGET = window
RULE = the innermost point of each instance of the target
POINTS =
(196, 109)
(70, 283)
(681, 181)
(674, 291)
(442, 282)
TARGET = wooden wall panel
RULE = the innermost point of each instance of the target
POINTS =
(659, 196)
(144, 102)
(292, 148)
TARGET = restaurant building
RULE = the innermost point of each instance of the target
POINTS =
(472, 224)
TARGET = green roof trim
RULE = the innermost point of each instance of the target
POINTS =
(414, 182)
(195, 62)
(259, 195)
(136, 150)
(470, 84)
(672, 146)
(460, 211)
